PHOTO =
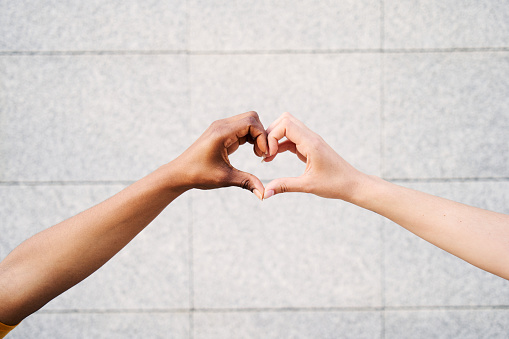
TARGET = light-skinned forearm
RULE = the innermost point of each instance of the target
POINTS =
(475, 235)
(59, 257)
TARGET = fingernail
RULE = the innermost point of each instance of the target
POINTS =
(263, 158)
(258, 194)
(268, 194)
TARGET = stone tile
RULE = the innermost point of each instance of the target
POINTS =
(338, 96)
(446, 24)
(150, 272)
(103, 325)
(447, 324)
(446, 115)
(287, 325)
(93, 25)
(420, 274)
(265, 25)
(294, 250)
(91, 117)
(26, 210)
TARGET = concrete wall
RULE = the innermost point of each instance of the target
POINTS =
(95, 95)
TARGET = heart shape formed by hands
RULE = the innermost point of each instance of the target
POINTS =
(207, 164)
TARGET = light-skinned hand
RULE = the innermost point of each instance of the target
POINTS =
(327, 174)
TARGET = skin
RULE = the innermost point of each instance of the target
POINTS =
(61, 256)
(477, 236)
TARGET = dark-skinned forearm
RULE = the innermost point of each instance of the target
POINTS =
(59, 257)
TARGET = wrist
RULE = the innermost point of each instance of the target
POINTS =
(367, 190)
(171, 178)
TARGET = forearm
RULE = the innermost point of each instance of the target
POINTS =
(475, 235)
(56, 259)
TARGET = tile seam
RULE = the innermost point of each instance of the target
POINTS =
(191, 200)
(258, 52)
(382, 166)
(284, 309)
(264, 181)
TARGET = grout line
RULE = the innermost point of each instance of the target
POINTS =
(382, 25)
(382, 95)
(115, 311)
(290, 51)
(191, 268)
(257, 52)
(264, 181)
(446, 50)
(282, 309)
(67, 183)
(382, 165)
(93, 52)
(191, 200)
(429, 180)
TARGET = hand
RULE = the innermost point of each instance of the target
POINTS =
(327, 174)
(205, 165)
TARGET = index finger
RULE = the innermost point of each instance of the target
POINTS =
(288, 127)
(250, 124)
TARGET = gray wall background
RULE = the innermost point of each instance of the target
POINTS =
(96, 94)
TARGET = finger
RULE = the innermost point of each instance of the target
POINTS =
(284, 146)
(285, 115)
(285, 128)
(258, 151)
(289, 145)
(233, 148)
(256, 148)
(257, 132)
(243, 140)
(251, 126)
(243, 116)
(277, 121)
(247, 181)
(283, 185)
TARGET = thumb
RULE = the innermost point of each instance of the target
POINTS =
(282, 185)
(247, 181)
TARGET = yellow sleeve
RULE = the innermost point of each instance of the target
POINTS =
(5, 329)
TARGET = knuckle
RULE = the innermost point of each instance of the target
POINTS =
(216, 125)
(251, 120)
(286, 121)
(246, 184)
(253, 114)
(316, 142)
(283, 187)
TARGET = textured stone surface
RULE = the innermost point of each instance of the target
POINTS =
(275, 25)
(95, 93)
(150, 272)
(446, 115)
(420, 274)
(446, 24)
(104, 325)
(287, 325)
(447, 324)
(50, 25)
(338, 96)
(289, 251)
(90, 117)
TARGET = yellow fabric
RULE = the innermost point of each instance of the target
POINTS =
(4, 330)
